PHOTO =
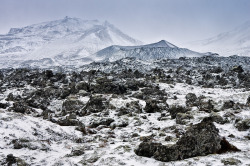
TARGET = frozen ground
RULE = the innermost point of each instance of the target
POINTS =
(51, 144)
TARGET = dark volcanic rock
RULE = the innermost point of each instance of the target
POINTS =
(199, 140)
(191, 99)
(4, 105)
(217, 118)
(72, 106)
(165, 153)
(228, 104)
(103, 121)
(216, 70)
(24, 143)
(21, 107)
(147, 149)
(227, 147)
(70, 121)
(231, 161)
(238, 69)
(105, 85)
(174, 110)
(151, 106)
(207, 106)
(248, 101)
(78, 151)
(243, 125)
(96, 104)
(10, 159)
(83, 86)
(38, 102)
(182, 117)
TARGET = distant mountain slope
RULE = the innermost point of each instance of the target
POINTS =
(229, 43)
(63, 41)
(159, 50)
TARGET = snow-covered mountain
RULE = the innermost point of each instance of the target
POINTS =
(229, 43)
(59, 42)
(159, 50)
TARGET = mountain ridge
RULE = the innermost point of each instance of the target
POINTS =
(158, 50)
(62, 41)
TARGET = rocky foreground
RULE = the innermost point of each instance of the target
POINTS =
(188, 111)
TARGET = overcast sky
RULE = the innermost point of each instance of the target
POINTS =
(177, 21)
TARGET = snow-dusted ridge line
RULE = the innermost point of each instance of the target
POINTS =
(63, 41)
(160, 44)
(159, 50)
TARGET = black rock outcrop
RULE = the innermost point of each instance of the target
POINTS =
(199, 140)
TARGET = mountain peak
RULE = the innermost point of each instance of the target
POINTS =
(162, 43)
(67, 18)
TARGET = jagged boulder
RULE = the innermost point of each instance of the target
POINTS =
(199, 140)
(102, 121)
(132, 85)
(38, 102)
(238, 69)
(216, 70)
(151, 106)
(29, 144)
(181, 118)
(230, 161)
(21, 107)
(72, 105)
(1, 75)
(48, 73)
(228, 104)
(10, 159)
(132, 107)
(153, 91)
(83, 86)
(77, 151)
(191, 99)
(105, 85)
(248, 101)
(175, 109)
(4, 105)
(96, 104)
(147, 149)
(206, 105)
(217, 118)
(69, 121)
(135, 106)
(167, 153)
(243, 125)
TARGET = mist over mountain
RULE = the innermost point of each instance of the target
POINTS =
(236, 41)
(62, 41)
(75, 42)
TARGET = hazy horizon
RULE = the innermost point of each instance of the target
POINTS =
(177, 21)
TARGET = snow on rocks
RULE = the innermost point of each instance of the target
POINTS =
(69, 118)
